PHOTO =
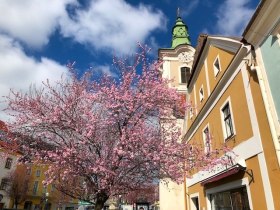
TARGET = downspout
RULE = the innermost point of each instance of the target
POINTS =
(185, 192)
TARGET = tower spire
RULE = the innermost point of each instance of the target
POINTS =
(179, 32)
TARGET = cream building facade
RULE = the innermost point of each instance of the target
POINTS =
(177, 62)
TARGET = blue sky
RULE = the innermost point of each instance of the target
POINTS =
(39, 37)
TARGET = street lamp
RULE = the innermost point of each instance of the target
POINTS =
(47, 194)
(120, 202)
(44, 200)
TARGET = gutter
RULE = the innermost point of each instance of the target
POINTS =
(256, 13)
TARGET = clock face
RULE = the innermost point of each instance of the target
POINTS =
(186, 57)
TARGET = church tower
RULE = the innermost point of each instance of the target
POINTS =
(177, 63)
(177, 60)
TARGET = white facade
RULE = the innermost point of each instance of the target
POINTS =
(172, 195)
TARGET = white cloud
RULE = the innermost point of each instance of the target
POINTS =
(18, 71)
(189, 8)
(116, 25)
(233, 16)
(106, 24)
(104, 69)
(32, 21)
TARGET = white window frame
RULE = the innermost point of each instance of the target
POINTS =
(195, 99)
(194, 195)
(201, 95)
(229, 186)
(204, 137)
(191, 112)
(227, 101)
(216, 71)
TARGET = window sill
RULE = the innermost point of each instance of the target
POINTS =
(229, 137)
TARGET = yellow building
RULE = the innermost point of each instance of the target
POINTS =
(228, 106)
(37, 195)
(44, 197)
(233, 87)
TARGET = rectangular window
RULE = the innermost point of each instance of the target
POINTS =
(8, 164)
(4, 184)
(38, 173)
(191, 112)
(228, 123)
(185, 71)
(207, 140)
(35, 187)
(232, 199)
(216, 66)
(201, 94)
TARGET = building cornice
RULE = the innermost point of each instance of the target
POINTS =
(174, 52)
(265, 18)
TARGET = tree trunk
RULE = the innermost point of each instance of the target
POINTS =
(100, 201)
